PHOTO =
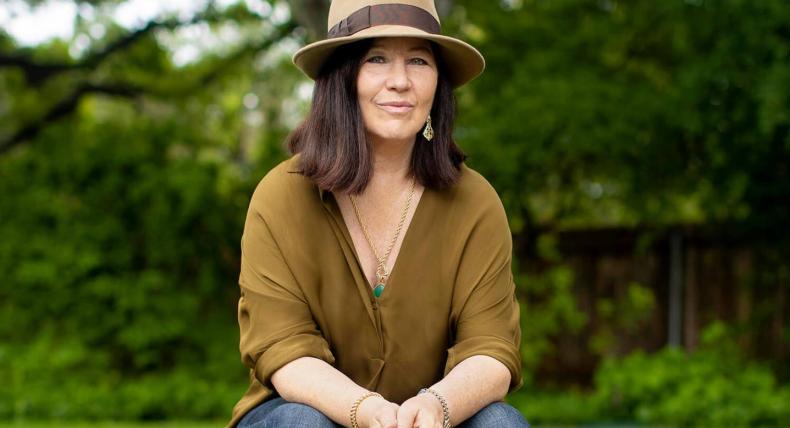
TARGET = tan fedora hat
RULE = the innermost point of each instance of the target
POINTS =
(352, 20)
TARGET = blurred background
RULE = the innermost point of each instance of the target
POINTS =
(641, 149)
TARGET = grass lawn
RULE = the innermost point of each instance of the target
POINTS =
(64, 424)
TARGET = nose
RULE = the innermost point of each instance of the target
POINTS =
(398, 79)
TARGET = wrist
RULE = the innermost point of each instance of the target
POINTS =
(368, 408)
(445, 409)
(360, 410)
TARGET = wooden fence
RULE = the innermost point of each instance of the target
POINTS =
(696, 276)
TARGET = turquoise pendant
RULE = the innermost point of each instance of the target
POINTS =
(378, 290)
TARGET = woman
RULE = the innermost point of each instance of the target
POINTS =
(376, 286)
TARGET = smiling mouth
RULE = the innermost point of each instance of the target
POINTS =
(396, 108)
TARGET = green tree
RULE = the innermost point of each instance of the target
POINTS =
(125, 175)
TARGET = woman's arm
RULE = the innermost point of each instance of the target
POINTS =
(313, 382)
(484, 361)
(471, 385)
(279, 339)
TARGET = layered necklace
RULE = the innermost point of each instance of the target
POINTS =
(382, 274)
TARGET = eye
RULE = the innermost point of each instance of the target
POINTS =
(377, 59)
(419, 61)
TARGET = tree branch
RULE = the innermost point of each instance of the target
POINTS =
(128, 90)
(66, 107)
(37, 73)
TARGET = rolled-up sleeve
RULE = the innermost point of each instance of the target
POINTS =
(275, 322)
(485, 310)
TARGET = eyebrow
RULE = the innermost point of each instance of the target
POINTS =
(422, 48)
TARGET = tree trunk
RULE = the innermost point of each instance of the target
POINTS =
(312, 16)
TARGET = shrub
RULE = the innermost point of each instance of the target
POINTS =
(710, 387)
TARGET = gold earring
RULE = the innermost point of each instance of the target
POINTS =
(428, 131)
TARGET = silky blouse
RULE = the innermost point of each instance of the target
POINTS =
(450, 294)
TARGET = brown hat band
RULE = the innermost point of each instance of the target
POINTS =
(385, 14)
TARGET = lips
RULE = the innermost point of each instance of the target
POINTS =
(396, 107)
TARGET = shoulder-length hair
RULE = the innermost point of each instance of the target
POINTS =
(335, 152)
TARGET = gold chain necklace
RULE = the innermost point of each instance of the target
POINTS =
(381, 270)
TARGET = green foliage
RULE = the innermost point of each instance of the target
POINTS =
(569, 407)
(120, 228)
(108, 424)
(118, 267)
(711, 387)
(119, 225)
(615, 112)
(62, 380)
(548, 308)
(621, 316)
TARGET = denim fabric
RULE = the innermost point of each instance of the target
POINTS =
(499, 414)
(278, 413)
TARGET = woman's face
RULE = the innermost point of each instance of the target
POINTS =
(395, 87)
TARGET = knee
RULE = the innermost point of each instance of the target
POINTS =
(499, 414)
(296, 415)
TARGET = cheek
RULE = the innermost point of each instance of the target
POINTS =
(425, 87)
(367, 85)
(427, 95)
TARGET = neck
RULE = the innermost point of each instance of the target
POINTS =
(391, 160)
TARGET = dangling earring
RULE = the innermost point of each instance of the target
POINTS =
(428, 131)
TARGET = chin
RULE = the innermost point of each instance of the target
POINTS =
(394, 131)
(395, 136)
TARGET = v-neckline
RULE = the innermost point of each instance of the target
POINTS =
(404, 244)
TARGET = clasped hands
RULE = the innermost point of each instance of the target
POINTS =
(421, 411)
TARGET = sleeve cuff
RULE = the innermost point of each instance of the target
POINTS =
(287, 350)
(501, 350)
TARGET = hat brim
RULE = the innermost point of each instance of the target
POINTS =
(463, 61)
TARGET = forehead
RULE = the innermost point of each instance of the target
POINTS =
(401, 43)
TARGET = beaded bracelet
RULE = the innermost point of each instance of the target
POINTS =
(355, 406)
(443, 402)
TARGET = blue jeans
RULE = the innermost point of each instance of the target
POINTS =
(278, 413)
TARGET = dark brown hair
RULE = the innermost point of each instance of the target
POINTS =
(335, 151)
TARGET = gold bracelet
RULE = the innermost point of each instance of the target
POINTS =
(355, 406)
(443, 402)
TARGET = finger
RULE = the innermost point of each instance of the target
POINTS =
(424, 420)
(387, 420)
(407, 417)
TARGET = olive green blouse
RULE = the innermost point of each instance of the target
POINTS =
(303, 293)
